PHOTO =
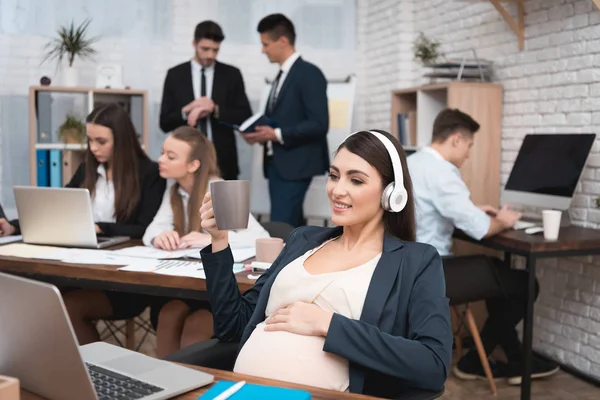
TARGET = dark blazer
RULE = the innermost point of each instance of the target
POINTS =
(152, 188)
(403, 338)
(228, 93)
(302, 113)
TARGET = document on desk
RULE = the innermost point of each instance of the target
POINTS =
(192, 269)
(24, 250)
(104, 259)
(153, 253)
(10, 239)
(239, 253)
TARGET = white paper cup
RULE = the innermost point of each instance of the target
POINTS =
(551, 220)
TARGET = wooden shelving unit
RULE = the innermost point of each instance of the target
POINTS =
(483, 102)
(84, 99)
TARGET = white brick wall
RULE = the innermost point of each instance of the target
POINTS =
(384, 57)
(551, 86)
(145, 63)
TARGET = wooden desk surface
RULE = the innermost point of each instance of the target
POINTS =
(108, 273)
(317, 394)
(570, 239)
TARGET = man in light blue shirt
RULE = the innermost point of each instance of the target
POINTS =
(443, 204)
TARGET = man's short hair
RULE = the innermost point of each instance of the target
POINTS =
(208, 30)
(276, 26)
(450, 121)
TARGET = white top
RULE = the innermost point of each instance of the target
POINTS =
(298, 358)
(163, 221)
(103, 201)
(209, 74)
(442, 201)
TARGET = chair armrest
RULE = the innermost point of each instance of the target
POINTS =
(209, 353)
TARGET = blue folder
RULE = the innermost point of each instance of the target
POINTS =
(252, 391)
(55, 168)
(43, 168)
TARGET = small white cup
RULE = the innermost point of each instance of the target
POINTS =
(551, 220)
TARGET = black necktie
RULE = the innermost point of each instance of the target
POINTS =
(273, 94)
(203, 122)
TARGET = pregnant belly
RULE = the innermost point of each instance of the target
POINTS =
(292, 358)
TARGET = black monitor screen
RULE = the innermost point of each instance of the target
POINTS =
(550, 164)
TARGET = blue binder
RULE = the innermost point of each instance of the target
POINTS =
(43, 168)
(55, 168)
(252, 391)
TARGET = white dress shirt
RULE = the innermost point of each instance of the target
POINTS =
(442, 201)
(209, 74)
(285, 70)
(163, 221)
(103, 201)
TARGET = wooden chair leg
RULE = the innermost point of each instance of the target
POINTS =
(480, 350)
(130, 332)
(457, 338)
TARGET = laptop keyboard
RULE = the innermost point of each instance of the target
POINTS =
(110, 385)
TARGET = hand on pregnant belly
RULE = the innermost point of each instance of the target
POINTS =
(300, 318)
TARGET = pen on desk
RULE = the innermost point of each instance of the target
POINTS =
(227, 393)
(181, 246)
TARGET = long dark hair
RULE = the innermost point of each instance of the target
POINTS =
(125, 160)
(204, 151)
(369, 148)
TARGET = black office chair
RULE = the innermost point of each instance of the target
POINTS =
(278, 229)
(221, 355)
(470, 278)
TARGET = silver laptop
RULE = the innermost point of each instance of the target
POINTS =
(59, 217)
(38, 346)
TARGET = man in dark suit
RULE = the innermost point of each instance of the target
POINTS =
(209, 95)
(296, 150)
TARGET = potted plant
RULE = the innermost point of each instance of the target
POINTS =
(426, 50)
(71, 42)
(72, 131)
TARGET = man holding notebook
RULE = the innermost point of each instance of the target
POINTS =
(295, 142)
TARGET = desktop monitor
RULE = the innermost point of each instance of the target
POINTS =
(547, 169)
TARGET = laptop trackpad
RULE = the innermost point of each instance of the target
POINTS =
(133, 364)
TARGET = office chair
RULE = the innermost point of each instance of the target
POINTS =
(278, 229)
(468, 279)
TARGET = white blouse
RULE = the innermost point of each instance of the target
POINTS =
(163, 221)
(298, 358)
(103, 201)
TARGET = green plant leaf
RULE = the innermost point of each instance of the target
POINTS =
(71, 43)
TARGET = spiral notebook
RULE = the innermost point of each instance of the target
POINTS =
(252, 391)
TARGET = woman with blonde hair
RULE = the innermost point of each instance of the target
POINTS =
(189, 159)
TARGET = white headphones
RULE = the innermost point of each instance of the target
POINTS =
(394, 197)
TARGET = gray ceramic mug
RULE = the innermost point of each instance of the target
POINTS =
(231, 204)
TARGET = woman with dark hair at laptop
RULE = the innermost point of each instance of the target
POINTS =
(126, 191)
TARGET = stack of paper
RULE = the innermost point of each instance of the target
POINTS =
(239, 253)
(10, 239)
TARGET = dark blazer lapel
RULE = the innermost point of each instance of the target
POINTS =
(384, 278)
(218, 81)
(382, 282)
(188, 83)
(287, 82)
